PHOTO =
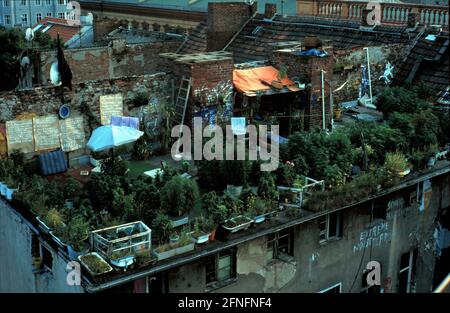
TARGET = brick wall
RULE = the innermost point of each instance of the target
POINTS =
(306, 69)
(103, 63)
(224, 20)
(103, 26)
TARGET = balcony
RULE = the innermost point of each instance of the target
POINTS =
(391, 13)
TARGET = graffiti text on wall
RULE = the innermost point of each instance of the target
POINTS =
(375, 236)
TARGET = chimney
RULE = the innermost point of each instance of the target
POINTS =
(270, 10)
(224, 20)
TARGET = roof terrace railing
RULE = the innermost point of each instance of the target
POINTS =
(391, 13)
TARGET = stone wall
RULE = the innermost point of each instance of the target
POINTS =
(109, 62)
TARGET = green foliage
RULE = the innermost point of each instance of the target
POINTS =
(236, 172)
(123, 205)
(78, 231)
(267, 188)
(72, 188)
(394, 164)
(286, 174)
(179, 195)
(141, 148)
(114, 166)
(162, 227)
(400, 99)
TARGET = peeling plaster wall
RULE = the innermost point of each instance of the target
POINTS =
(317, 266)
(16, 260)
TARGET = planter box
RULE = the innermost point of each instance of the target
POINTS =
(3, 188)
(57, 240)
(73, 254)
(241, 226)
(173, 252)
(180, 221)
(261, 218)
(43, 226)
(122, 262)
(200, 239)
(9, 193)
(100, 259)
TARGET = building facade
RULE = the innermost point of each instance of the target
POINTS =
(26, 13)
(388, 236)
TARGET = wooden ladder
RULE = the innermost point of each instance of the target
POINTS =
(181, 105)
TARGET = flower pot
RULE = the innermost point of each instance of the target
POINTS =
(174, 238)
(161, 255)
(43, 226)
(9, 193)
(199, 239)
(337, 114)
(107, 267)
(212, 235)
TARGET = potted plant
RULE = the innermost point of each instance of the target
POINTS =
(94, 264)
(258, 209)
(395, 165)
(266, 187)
(202, 228)
(78, 230)
(48, 218)
(237, 175)
(337, 112)
(216, 211)
(162, 227)
(72, 189)
(178, 196)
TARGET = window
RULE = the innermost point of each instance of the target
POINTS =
(7, 19)
(6, 3)
(49, 14)
(23, 2)
(61, 15)
(220, 268)
(280, 245)
(407, 271)
(62, 2)
(24, 19)
(366, 288)
(330, 226)
(333, 289)
(38, 17)
(48, 2)
(47, 258)
(38, 2)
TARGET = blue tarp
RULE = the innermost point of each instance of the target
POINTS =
(53, 162)
(313, 52)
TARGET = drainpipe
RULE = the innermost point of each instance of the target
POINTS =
(368, 73)
(323, 98)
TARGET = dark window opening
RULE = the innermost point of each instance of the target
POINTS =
(47, 258)
(407, 271)
(330, 226)
(280, 245)
(220, 268)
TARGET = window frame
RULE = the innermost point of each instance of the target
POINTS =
(22, 19)
(45, 249)
(324, 235)
(23, 3)
(38, 2)
(410, 268)
(38, 20)
(7, 19)
(332, 287)
(273, 245)
(5, 3)
(215, 260)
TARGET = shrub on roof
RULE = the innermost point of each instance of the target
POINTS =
(179, 195)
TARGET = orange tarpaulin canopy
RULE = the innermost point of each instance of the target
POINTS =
(258, 78)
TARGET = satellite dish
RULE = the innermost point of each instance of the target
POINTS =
(29, 34)
(55, 77)
(25, 62)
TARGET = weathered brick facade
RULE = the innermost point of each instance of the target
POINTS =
(224, 20)
(307, 70)
(105, 63)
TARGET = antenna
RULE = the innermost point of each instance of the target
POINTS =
(55, 76)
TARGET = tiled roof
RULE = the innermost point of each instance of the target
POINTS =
(255, 45)
(196, 41)
(256, 39)
(428, 62)
(54, 26)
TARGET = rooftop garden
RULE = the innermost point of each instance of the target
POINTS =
(126, 219)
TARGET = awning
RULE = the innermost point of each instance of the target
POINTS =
(259, 79)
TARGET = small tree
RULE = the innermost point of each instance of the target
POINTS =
(267, 188)
(179, 195)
